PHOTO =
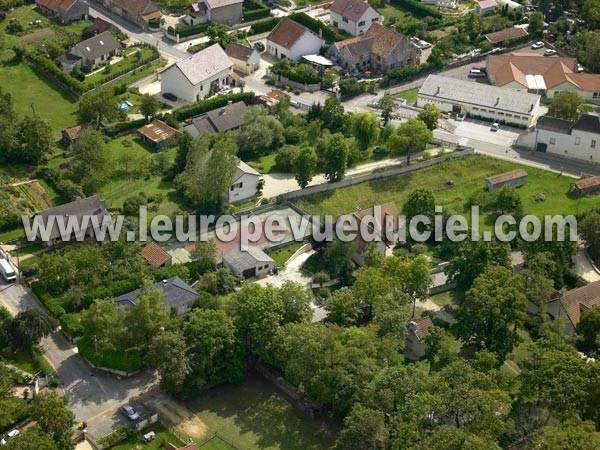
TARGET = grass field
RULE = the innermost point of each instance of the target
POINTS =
(410, 95)
(264, 164)
(136, 441)
(20, 359)
(468, 176)
(283, 254)
(33, 92)
(251, 415)
(127, 63)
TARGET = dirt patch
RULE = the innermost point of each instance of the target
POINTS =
(179, 418)
(38, 35)
(40, 195)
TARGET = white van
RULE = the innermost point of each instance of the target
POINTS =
(8, 273)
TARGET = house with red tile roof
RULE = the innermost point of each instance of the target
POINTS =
(485, 7)
(506, 37)
(291, 40)
(158, 135)
(532, 72)
(138, 12)
(571, 305)
(156, 256)
(353, 16)
(379, 49)
(66, 11)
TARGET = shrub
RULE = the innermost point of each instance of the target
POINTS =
(317, 26)
(255, 11)
(120, 127)
(71, 325)
(154, 23)
(53, 304)
(126, 361)
(114, 289)
(188, 31)
(46, 65)
(264, 26)
(418, 9)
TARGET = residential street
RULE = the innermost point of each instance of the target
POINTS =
(90, 392)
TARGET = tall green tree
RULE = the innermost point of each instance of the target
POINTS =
(493, 311)
(98, 106)
(104, 323)
(420, 201)
(295, 303)
(590, 230)
(149, 106)
(419, 280)
(209, 172)
(35, 140)
(410, 137)
(592, 52)
(387, 104)
(430, 114)
(365, 129)
(31, 438)
(365, 430)
(148, 317)
(167, 354)
(30, 326)
(565, 105)
(52, 415)
(261, 132)
(336, 158)
(305, 166)
(590, 12)
(536, 24)
(205, 253)
(343, 308)
(588, 331)
(92, 165)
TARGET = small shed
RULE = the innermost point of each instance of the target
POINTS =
(158, 135)
(156, 255)
(248, 262)
(586, 186)
(514, 178)
(70, 135)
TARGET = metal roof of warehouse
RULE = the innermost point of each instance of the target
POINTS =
(478, 94)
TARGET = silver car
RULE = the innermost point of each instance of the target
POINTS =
(129, 412)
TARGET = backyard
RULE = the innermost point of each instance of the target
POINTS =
(467, 176)
(251, 415)
(410, 95)
(40, 96)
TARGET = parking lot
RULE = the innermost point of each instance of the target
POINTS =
(113, 419)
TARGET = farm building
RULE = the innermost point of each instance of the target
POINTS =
(248, 262)
(514, 178)
(586, 186)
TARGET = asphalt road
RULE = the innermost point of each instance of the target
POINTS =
(90, 392)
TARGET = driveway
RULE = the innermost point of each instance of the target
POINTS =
(583, 266)
(90, 392)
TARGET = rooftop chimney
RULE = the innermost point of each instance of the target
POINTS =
(497, 101)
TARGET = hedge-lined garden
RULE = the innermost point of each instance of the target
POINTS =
(417, 8)
(254, 11)
(126, 361)
(317, 26)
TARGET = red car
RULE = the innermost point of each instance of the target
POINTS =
(327, 5)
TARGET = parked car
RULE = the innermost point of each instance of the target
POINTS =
(327, 5)
(129, 412)
(495, 126)
(550, 52)
(477, 73)
(170, 96)
(538, 44)
(259, 46)
(579, 68)
(9, 435)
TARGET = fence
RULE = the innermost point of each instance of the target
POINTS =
(372, 176)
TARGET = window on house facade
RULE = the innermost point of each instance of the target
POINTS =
(361, 23)
(344, 19)
(593, 144)
(376, 19)
(552, 141)
(236, 186)
(596, 95)
(577, 140)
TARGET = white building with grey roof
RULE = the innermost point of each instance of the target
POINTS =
(198, 76)
(452, 95)
(248, 262)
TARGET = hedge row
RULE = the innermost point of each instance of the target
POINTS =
(49, 66)
(208, 105)
(298, 78)
(315, 25)
(255, 14)
(128, 361)
(264, 26)
(56, 305)
(188, 31)
(112, 290)
(120, 127)
(417, 8)
(71, 325)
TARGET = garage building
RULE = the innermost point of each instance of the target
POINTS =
(248, 262)
(452, 95)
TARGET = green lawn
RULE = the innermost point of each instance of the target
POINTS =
(251, 415)
(125, 64)
(30, 249)
(12, 234)
(136, 441)
(110, 359)
(410, 95)
(283, 254)
(19, 359)
(76, 27)
(26, 14)
(264, 164)
(216, 443)
(33, 92)
(468, 176)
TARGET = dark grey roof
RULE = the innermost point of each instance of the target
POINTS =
(177, 293)
(89, 206)
(99, 45)
(554, 124)
(588, 123)
(243, 258)
(229, 117)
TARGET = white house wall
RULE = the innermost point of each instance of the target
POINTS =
(578, 145)
(174, 81)
(247, 191)
(308, 44)
(355, 28)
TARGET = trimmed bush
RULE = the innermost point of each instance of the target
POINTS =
(46, 65)
(71, 325)
(120, 127)
(264, 26)
(315, 25)
(53, 304)
(208, 105)
(255, 11)
(126, 361)
(418, 9)
(188, 31)
(112, 290)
